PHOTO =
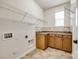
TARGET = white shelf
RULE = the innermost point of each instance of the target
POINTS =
(10, 12)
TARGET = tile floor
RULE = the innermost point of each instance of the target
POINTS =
(49, 53)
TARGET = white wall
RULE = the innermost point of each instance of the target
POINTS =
(67, 19)
(16, 46)
(28, 6)
(50, 15)
(13, 22)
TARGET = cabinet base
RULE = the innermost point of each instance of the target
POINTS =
(61, 50)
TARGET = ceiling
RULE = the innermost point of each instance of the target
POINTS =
(45, 4)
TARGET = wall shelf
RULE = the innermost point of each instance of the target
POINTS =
(24, 15)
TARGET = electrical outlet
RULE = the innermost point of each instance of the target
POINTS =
(30, 41)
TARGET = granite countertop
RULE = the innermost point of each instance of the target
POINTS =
(54, 32)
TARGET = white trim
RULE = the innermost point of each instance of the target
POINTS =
(33, 48)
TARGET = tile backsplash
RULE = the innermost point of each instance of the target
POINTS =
(57, 28)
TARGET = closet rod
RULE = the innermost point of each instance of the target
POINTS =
(11, 10)
(24, 15)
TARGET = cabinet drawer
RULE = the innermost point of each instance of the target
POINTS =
(67, 36)
(59, 36)
(53, 35)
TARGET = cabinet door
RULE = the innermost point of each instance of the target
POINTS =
(59, 42)
(51, 41)
(67, 43)
(41, 41)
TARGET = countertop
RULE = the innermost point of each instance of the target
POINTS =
(55, 32)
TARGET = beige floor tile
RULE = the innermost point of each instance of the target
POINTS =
(49, 53)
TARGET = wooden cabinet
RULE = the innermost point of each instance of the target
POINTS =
(67, 43)
(58, 41)
(51, 40)
(41, 41)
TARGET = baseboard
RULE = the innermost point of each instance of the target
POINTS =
(31, 49)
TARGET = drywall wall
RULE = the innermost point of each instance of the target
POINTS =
(50, 14)
(18, 44)
(50, 17)
(12, 22)
(29, 6)
(67, 19)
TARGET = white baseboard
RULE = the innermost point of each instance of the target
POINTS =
(28, 51)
